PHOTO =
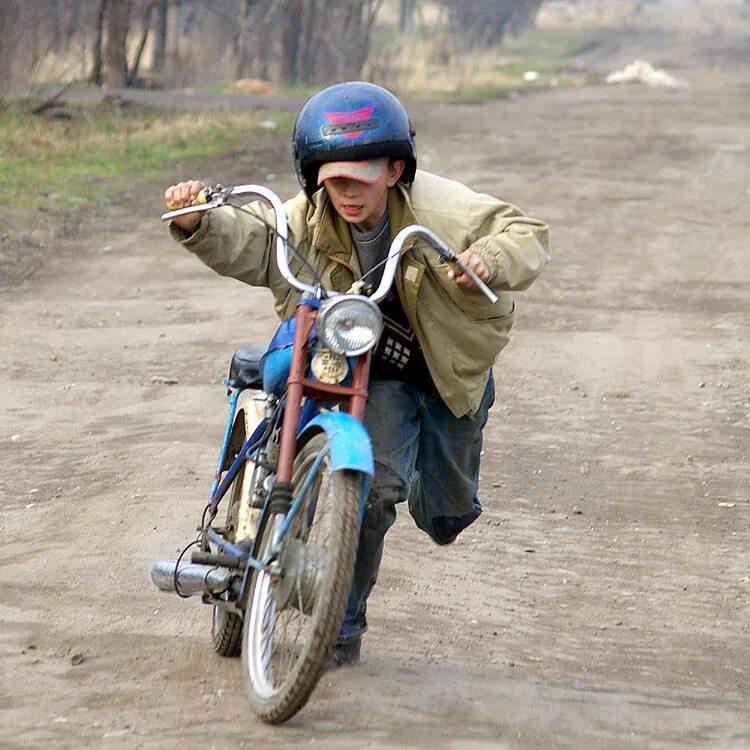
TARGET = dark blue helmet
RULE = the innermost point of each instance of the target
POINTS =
(349, 122)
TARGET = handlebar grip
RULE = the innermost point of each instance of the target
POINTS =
(200, 198)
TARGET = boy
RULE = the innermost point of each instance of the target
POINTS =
(431, 379)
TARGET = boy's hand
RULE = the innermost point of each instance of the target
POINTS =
(475, 263)
(181, 195)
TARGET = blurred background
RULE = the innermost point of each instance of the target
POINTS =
(267, 46)
(95, 90)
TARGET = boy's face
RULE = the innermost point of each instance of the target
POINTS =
(363, 203)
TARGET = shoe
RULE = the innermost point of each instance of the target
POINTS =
(344, 655)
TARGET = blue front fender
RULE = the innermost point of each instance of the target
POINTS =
(350, 444)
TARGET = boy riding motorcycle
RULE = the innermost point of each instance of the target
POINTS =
(431, 380)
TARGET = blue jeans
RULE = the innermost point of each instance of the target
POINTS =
(425, 455)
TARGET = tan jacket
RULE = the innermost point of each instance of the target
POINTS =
(460, 331)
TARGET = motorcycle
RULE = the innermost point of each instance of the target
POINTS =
(295, 465)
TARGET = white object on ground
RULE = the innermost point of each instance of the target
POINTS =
(641, 71)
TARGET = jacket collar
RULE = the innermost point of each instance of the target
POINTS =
(400, 210)
(329, 232)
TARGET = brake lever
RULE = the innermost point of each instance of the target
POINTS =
(453, 258)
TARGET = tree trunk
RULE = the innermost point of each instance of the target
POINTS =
(525, 17)
(160, 37)
(406, 15)
(242, 41)
(148, 12)
(290, 46)
(115, 53)
(9, 43)
(484, 24)
(308, 39)
(96, 69)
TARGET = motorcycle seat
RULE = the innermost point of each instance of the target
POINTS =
(244, 372)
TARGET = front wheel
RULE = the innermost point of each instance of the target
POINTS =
(295, 606)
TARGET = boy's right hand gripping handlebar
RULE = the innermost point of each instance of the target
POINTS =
(219, 196)
(200, 198)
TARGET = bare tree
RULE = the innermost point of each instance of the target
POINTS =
(485, 24)
(9, 41)
(98, 64)
(406, 10)
(291, 32)
(117, 21)
(303, 41)
(160, 37)
(335, 37)
(148, 12)
(242, 40)
(524, 17)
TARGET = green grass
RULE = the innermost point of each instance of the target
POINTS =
(552, 45)
(516, 68)
(101, 149)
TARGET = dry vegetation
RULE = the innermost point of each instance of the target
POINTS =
(96, 150)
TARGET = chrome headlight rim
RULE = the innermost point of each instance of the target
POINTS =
(332, 304)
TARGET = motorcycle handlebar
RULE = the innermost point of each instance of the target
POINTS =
(397, 246)
(219, 196)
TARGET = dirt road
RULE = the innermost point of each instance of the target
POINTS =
(601, 601)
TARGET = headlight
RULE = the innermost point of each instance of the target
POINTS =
(349, 324)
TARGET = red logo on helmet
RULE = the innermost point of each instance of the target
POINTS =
(350, 124)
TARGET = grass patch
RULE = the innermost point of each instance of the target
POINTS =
(100, 148)
(514, 69)
(553, 45)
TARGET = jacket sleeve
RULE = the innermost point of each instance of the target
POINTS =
(514, 246)
(233, 242)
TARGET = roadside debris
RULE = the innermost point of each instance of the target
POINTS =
(641, 71)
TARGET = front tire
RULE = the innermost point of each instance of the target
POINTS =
(294, 612)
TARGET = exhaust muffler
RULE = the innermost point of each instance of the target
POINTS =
(191, 579)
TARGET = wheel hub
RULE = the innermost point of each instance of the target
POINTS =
(301, 574)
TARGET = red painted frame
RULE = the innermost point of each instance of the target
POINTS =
(352, 398)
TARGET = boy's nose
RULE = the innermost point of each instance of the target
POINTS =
(350, 187)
